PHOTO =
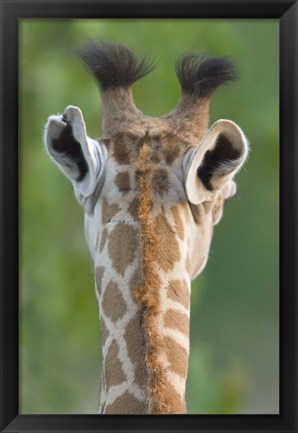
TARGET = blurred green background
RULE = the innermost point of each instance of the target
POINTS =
(234, 357)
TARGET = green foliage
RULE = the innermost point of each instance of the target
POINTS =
(234, 316)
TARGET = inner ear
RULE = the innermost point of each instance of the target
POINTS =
(219, 161)
(68, 151)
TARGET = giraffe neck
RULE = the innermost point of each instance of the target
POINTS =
(143, 288)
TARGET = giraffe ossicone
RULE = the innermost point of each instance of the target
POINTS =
(152, 190)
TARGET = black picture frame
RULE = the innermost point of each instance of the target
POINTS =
(287, 13)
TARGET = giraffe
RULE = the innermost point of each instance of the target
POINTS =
(152, 190)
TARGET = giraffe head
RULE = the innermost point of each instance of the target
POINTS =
(152, 189)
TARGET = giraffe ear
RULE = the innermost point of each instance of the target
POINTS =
(215, 161)
(79, 157)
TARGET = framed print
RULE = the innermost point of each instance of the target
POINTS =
(148, 187)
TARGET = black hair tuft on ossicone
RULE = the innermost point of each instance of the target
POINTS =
(201, 76)
(113, 65)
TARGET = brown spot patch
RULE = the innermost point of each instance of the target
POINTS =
(133, 208)
(171, 152)
(135, 279)
(114, 374)
(126, 404)
(123, 182)
(104, 331)
(99, 271)
(178, 291)
(109, 211)
(113, 303)
(168, 252)
(175, 320)
(103, 239)
(178, 221)
(155, 158)
(136, 347)
(121, 151)
(177, 357)
(122, 246)
(160, 181)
